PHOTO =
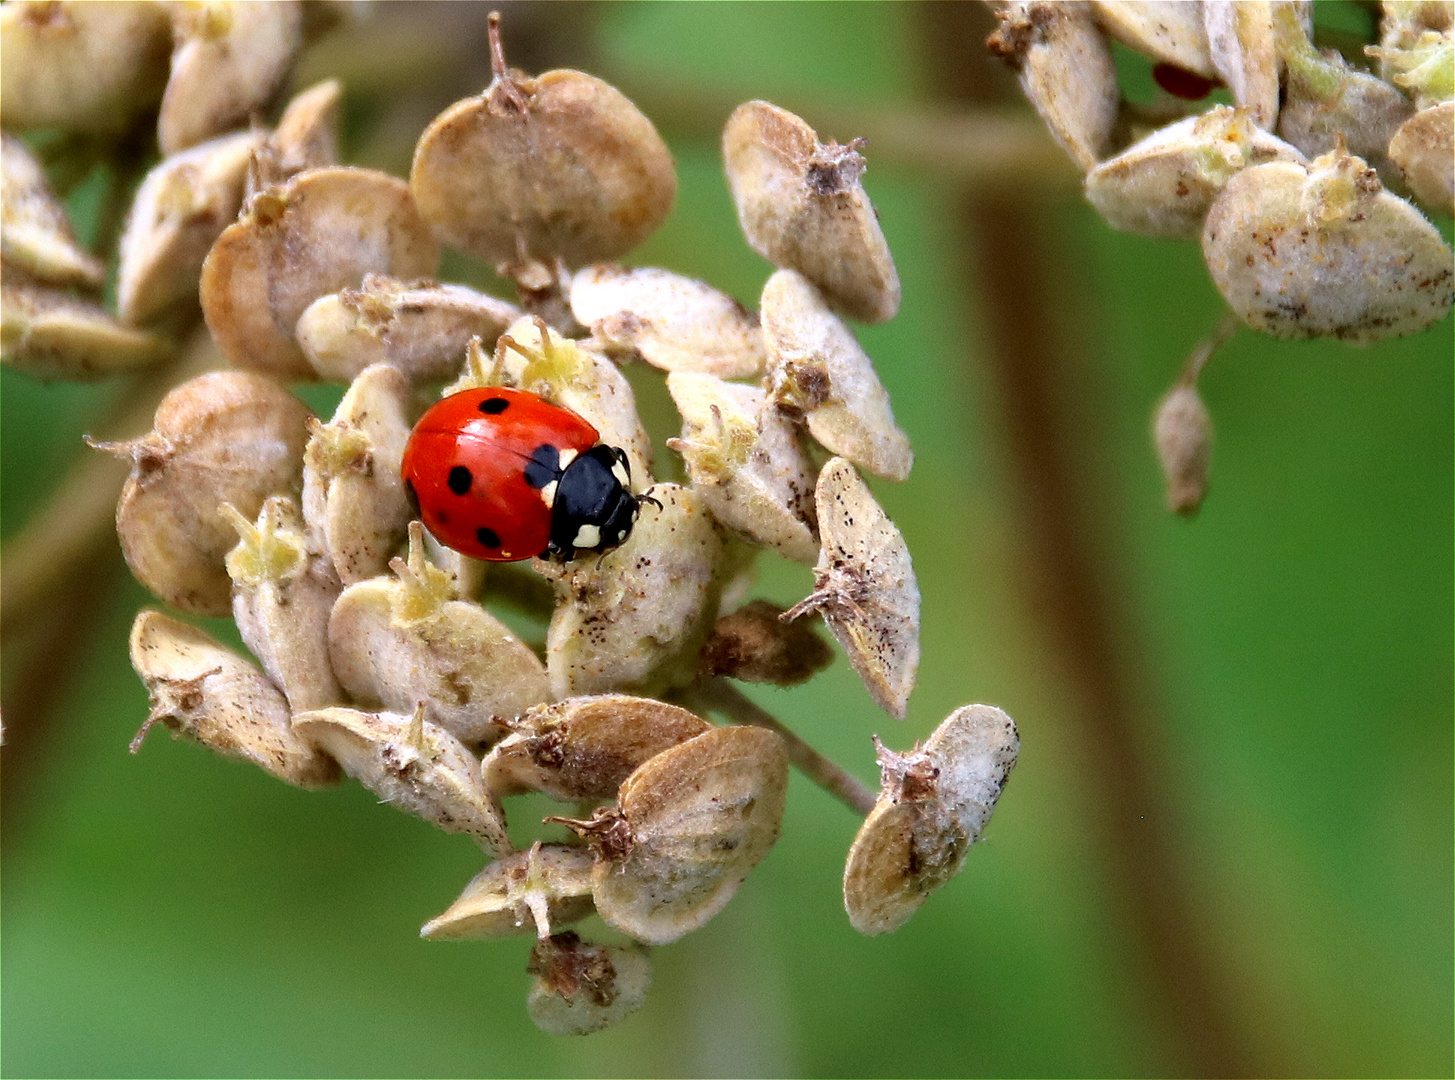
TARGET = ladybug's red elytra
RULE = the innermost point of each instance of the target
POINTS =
(505, 475)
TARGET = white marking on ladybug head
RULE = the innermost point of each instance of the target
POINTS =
(588, 536)
(548, 494)
(623, 477)
(567, 456)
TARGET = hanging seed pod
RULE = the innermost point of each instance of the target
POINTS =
(178, 212)
(865, 587)
(634, 619)
(1182, 434)
(585, 747)
(691, 823)
(306, 138)
(535, 169)
(213, 696)
(395, 642)
(1164, 184)
(353, 497)
(672, 322)
(35, 234)
(54, 334)
(83, 67)
(1322, 250)
(934, 803)
(230, 58)
(319, 233)
(580, 988)
(1167, 30)
(1424, 150)
(754, 644)
(421, 328)
(282, 594)
(227, 436)
(1244, 51)
(415, 765)
(1066, 71)
(536, 890)
(744, 458)
(817, 370)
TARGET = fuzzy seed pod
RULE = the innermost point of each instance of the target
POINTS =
(319, 233)
(754, 644)
(422, 328)
(224, 437)
(817, 370)
(1170, 31)
(1244, 51)
(1424, 150)
(416, 765)
(585, 747)
(213, 696)
(54, 334)
(580, 988)
(536, 890)
(467, 575)
(1182, 434)
(934, 803)
(865, 587)
(1322, 250)
(306, 138)
(35, 234)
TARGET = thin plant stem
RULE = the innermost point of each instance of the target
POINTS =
(1203, 351)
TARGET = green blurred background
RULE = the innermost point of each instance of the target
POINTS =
(1227, 848)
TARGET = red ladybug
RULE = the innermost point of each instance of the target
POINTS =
(504, 475)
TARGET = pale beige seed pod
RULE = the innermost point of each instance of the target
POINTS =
(227, 436)
(754, 644)
(535, 169)
(306, 138)
(420, 327)
(1170, 31)
(467, 575)
(1163, 185)
(1066, 71)
(744, 458)
(353, 495)
(399, 641)
(580, 988)
(1244, 50)
(1182, 434)
(689, 826)
(537, 891)
(585, 747)
(672, 322)
(83, 67)
(211, 695)
(634, 619)
(934, 803)
(52, 333)
(1322, 250)
(817, 370)
(319, 233)
(412, 763)
(802, 206)
(1424, 150)
(865, 588)
(177, 214)
(230, 57)
(35, 234)
(282, 594)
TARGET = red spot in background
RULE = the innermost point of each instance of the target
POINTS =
(1179, 82)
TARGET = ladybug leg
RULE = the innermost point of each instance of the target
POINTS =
(647, 499)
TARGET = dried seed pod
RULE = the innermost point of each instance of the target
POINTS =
(306, 138)
(282, 594)
(585, 747)
(744, 458)
(1322, 250)
(230, 57)
(672, 322)
(416, 765)
(1244, 51)
(80, 66)
(35, 234)
(536, 890)
(178, 212)
(634, 619)
(422, 328)
(692, 822)
(1167, 30)
(1164, 184)
(801, 206)
(211, 695)
(400, 641)
(54, 334)
(319, 233)
(559, 166)
(1424, 150)
(934, 803)
(754, 644)
(353, 497)
(865, 587)
(1065, 70)
(580, 988)
(1182, 434)
(818, 370)
(227, 436)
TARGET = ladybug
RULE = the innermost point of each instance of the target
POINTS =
(504, 475)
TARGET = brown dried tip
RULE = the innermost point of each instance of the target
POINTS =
(580, 988)
(802, 206)
(530, 891)
(754, 644)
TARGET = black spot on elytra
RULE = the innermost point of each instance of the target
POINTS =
(494, 406)
(543, 467)
(459, 480)
(487, 538)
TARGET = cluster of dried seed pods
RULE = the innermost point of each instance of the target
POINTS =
(1296, 191)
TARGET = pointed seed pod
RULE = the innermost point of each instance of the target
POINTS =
(35, 234)
(306, 138)
(52, 333)
(1244, 51)
(580, 988)
(1167, 30)
(537, 890)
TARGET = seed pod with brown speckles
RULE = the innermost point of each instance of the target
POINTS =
(35, 234)
(1424, 150)
(580, 988)
(1170, 31)
(536, 890)
(54, 334)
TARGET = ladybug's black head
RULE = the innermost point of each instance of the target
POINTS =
(593, 508)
